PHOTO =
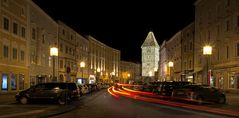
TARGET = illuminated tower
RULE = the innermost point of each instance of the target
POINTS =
(150, 55)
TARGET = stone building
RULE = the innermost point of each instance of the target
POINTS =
(217, 25)
(129, 72)
(173, 49)
(163, 63)
(187, 54)
(43, 35)
(14, 71)
(82, 54)
(150, 56)
(104, 62)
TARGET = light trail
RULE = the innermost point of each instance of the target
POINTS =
(137, 96)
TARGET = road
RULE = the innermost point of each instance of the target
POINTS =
(103, 105)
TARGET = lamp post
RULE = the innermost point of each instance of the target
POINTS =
(82, 66)
(170, 65)
(207, 51)
(128, 76)
(53, 53)
(97, 76)
(112, 76)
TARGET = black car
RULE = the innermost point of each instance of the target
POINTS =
(200, 93)
(166, 88)
(60, 92)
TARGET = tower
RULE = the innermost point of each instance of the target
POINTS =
(150, 55)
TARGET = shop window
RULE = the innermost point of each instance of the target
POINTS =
(21, 81)
(232, 82)
(4, 82)
(13, 82)
(32, 81)
(221, 82)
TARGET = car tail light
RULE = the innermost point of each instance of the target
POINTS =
(75, 91)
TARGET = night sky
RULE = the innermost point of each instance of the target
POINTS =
(122, 24)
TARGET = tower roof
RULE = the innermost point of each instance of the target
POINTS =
(150, 41)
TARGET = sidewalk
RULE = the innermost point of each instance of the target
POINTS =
(7, 98)
(232, 101)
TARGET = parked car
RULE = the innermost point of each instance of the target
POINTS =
(166, 88)
(60, 92)
(200, 93)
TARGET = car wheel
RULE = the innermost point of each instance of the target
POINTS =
(62, 100)
(23, 100)
(199, 99)
(221, 100)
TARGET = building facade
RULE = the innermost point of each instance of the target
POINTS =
(217, 24)
(129, 72)
(82, 53)
(43, 35)
(67, 53)
(173, 49)
(150, 55)
(188, 53)
(14, 71)
(104, 62)
(163, 63)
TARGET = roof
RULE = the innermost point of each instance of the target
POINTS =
(150, 41)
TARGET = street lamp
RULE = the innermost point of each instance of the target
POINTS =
(207, 51)
(82, 66)
(54, 53)
(97, 76)
(112, 76)
(170, 65)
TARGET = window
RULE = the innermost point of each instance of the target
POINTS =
(209, 35)
(185, 65)
(238, 20)
(21, 81)
(6, 23)
(22, 55)
(218, 54)
(14, 53)
(5, 51)
(227, 25)
(227, 52)
(237, 49)
(4, 81)
(185, 48)
(228, 2)
(23, 32)
(66, 50)
(190, 64)
(15, 27)
(221, 82)
(232, 82)
(191, 46)
(49, 63)
(61, 63)
(33, 33)
(63, 32)
(23, 11)
(61, 47)
(43, 38)
(13, 82)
